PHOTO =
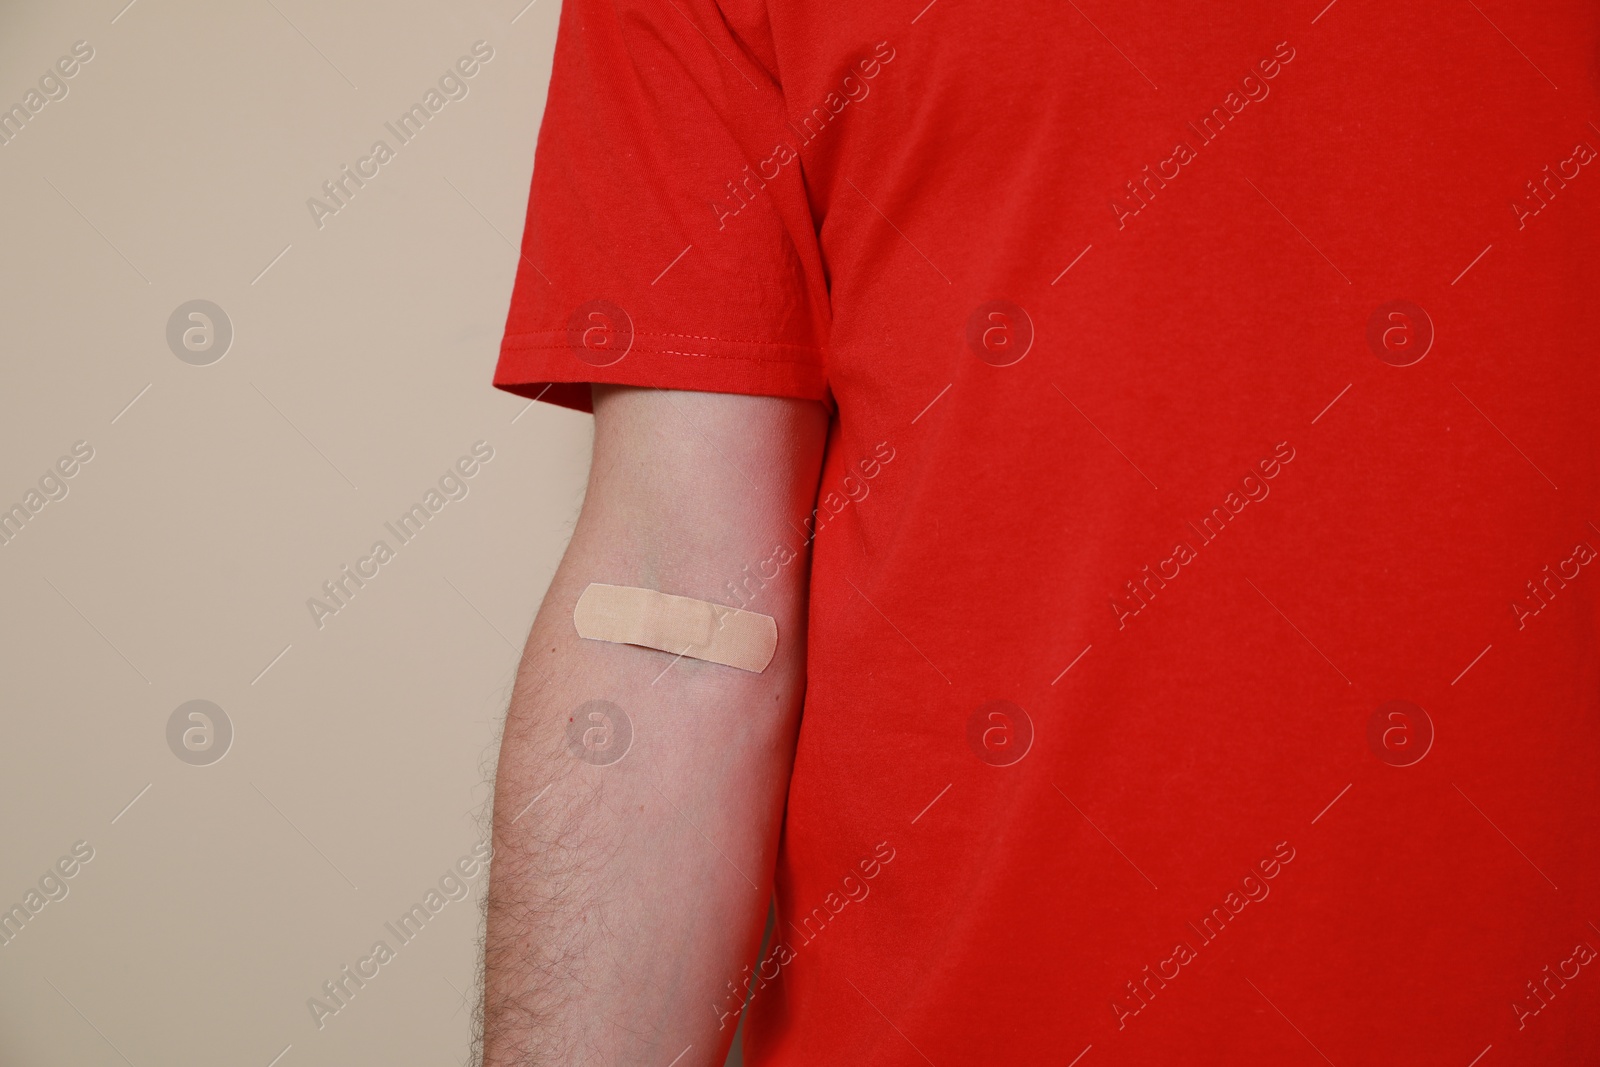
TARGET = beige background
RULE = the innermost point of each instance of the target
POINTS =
(179, 564)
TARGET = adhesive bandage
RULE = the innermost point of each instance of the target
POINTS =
(683, 626)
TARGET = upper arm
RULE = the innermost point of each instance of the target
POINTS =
(704, 495)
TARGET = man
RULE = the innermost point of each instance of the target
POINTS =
(1163, 437)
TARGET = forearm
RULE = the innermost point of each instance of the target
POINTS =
(624, 896)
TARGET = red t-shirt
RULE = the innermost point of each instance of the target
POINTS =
(1203, 660)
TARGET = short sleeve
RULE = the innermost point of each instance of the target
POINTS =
(669, 239)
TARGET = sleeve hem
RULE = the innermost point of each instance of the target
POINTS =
(546, 366)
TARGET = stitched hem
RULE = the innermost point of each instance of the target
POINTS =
(678, 344)
(545, 366)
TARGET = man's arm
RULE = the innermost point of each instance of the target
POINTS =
(624, 897)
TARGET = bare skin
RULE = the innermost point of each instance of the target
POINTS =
(625, 896)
